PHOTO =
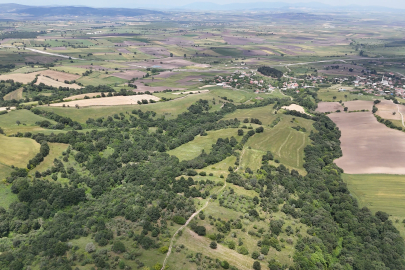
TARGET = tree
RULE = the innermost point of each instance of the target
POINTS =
(171, 54)
(118, 247)
(213, 245)
(18, 122)
(185, 55)
(90, 247)
(240, 132)
(257, 266)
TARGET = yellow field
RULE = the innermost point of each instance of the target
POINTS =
(17, 151)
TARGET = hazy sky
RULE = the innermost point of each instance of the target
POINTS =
(139, 3)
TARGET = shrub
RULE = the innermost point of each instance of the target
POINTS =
(225, 264)
(179, 220)
(213, 245)
(243, 250)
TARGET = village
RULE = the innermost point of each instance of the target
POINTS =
(380, 84)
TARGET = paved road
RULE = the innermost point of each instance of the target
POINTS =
(43, 52)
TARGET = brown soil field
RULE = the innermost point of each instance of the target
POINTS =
(329, 107)
(48, 81)
(107, 101)
(58, 75)
(166, 63)
(358, 105)
(156, 51)
(386, 108)
(128, 75)
(16, 94)
(122, 50)
(242, 40)
(90, 95)
(369, 146)
(143, 88)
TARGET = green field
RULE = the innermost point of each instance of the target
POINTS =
(380, 192)
(327, 94)
(17, 151)
(286, 143)
(264, 114)
(192, 149)
(8, 122)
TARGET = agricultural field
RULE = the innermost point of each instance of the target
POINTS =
(17, 151)
(369, 146)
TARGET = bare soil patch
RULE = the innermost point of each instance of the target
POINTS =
(329, 107)
(369, 146)
(294, 107)
(387, 108)
(242, 40)
(107, 101)
(358, 105)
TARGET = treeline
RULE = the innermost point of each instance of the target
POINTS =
(62, 121)
(43, 152)
(21, 34)
(269, 71)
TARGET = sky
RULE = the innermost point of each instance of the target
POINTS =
(163, 3)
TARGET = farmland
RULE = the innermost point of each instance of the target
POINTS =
(153, 141)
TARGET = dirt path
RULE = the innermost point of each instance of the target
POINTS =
(298, 150)
(191, 218)
(402, 117)
(281, 146)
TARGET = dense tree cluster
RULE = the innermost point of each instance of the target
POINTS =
(269, 71)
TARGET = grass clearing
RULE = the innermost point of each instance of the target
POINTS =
(17, 151)
(192, 149)
(16, 94)
(8, 122)
(55, 151)
(264, 114)
(6, 196)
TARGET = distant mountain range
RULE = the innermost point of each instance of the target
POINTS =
(45, 11)
(8, 10)
(282, 6)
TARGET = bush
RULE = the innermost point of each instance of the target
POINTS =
(257, 266)
(213, 245)
(164, 249)
(243, 250)
(225, 264)
(118, 247)
(90, 247)
(179, 220)
(255, 255)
